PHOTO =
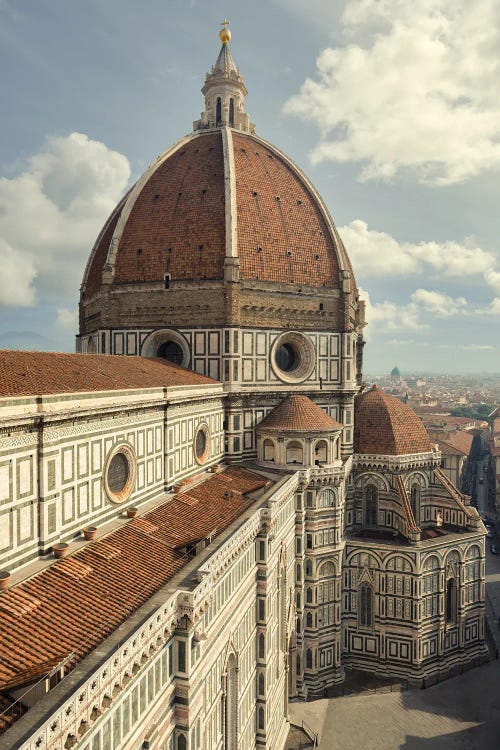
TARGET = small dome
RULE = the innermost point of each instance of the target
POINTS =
(298, 414)
(384, 425)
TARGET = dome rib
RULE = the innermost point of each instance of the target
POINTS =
(384, 425)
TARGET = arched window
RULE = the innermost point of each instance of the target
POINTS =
(371, 505)
(231, 112)
(218, 110)
(365, 611)
(309, 659)
(261, 718)
(261, 684)
(297, 663)
(309, 620)
(415, 502)
(297, 625)
(298, 573)
(262, 646)
(309, 568)
(309, 595)
(231, 707)
(321, 452)
(181, 742)
(326, 498)
(451, 600)
(269, 451)
(294, 452)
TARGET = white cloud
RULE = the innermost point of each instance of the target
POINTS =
(438, 303)
(51, 214)
(492, 278)
(379, 254)
(389, 316)
(17, 274)
(492, 309)
(477, 347)
(415, 87)
(67, 319)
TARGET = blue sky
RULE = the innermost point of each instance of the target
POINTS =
(390, 107)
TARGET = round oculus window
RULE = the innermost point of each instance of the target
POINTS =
(201, 444)
(120, 473)
(171, 351)
(292, 357)
(167, 344)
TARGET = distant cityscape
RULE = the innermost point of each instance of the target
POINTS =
(461, 414)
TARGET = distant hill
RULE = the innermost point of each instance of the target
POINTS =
(30, 341)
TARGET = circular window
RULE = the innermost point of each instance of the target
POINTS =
(120, 473)
(167, 344)
(292, 357)
(202, 444)
(172, 351)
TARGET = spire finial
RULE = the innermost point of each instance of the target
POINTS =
(224, 33)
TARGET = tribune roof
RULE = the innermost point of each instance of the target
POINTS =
(41, 373)
(297, 413)
(384, 425)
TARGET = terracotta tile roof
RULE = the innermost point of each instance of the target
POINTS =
(177, 223)
(277, 213)
(39, 373)
(299, 414)
(93, 273)
(384, 425)
(455, 442)
(178, 220)
(73, 605)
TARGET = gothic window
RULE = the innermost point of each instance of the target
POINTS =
(218, 111)
(309, 568)
(231, 112)
(326, 498)
(451, 600)
(261, 718)
(309, 659)
(269, 451)
(297, 664)
(371, 505)
(309, 620)
(309, 595)
(431, 587)
(261, 684)
(231, 705)
(415, 502)
(262, 646)
(321, 452)
(181, 742)
(299, 573)
(294, 452)
(365, 612)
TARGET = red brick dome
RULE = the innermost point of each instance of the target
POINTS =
(216, 194)
(384, 425)
(297, 413)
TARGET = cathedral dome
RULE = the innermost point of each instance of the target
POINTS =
(384, 425)
(221, 204)
(219, 195)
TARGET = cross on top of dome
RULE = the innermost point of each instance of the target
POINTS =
(224, 92)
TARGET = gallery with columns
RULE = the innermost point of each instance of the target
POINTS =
(204, 513)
